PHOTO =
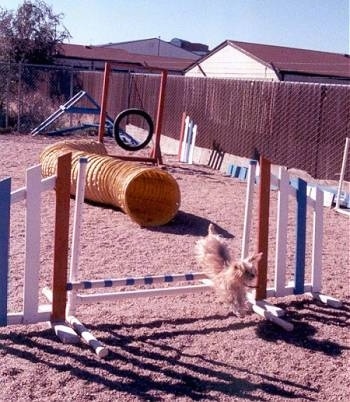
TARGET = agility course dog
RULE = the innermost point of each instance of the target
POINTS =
(231, 278)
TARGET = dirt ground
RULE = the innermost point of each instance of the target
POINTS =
(191, 347)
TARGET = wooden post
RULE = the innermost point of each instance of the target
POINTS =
(156, 152)
(263, 226)
(60, 269)
(103, 113)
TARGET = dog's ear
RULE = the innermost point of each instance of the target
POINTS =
(255, 258)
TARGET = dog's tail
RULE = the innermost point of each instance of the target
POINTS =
(212, 253)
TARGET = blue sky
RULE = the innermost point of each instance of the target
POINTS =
(309, 24)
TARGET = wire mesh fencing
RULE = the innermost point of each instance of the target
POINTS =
(298, 125)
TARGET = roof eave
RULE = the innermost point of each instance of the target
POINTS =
(312, 74)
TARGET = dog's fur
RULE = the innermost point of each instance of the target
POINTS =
(230, 278)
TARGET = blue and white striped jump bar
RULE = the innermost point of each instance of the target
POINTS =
(131, 281)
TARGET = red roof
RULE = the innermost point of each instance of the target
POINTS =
(292, 60)
(122, 57)
(288, 59)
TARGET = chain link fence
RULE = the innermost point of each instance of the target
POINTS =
(298, 125)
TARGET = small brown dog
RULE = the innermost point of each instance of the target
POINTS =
(230, 278)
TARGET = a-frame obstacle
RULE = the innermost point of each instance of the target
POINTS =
(72, 107)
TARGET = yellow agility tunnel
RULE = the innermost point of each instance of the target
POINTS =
(149, 195)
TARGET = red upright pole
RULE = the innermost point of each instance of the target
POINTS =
(103, 112)
(263, 226)
(156, 152)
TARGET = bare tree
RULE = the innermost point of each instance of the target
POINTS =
(31, 34)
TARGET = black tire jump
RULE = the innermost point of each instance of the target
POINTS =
(126, 141)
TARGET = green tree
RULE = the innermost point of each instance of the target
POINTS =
(31, 34)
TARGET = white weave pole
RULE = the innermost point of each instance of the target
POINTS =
(342, 172)
(80, 328)
(248, 208)
(192, 144)
(79, 201)
(184, 140)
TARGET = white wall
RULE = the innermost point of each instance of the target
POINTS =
(229, 62)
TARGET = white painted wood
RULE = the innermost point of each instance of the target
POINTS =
(99, 348)
(65, 333)
(78, 214)
(137, 280)
(287, 326)
(248, 209)
(32, 246)
(193, 143)
(287, 291)
(47, 292)
(342, 172)
(274, 182)
(275, 310)
(282, 230)
(345, 212)
(48, 183)
(171, 291)
(317, 237)
(44, 308)
(329, 300)
(18, 195)
(184, 140)
(18, 318)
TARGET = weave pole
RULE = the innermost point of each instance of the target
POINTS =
(181, 136)
(263, 226)
(342, 175)
(248, 209)
(79, 201)
(78, 327)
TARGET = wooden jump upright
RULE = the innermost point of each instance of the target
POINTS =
(263, 226)
(60, 268)
(155, 154)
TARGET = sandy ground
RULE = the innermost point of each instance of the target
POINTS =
(191, 347)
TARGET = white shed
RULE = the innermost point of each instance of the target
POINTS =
(242, 60)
